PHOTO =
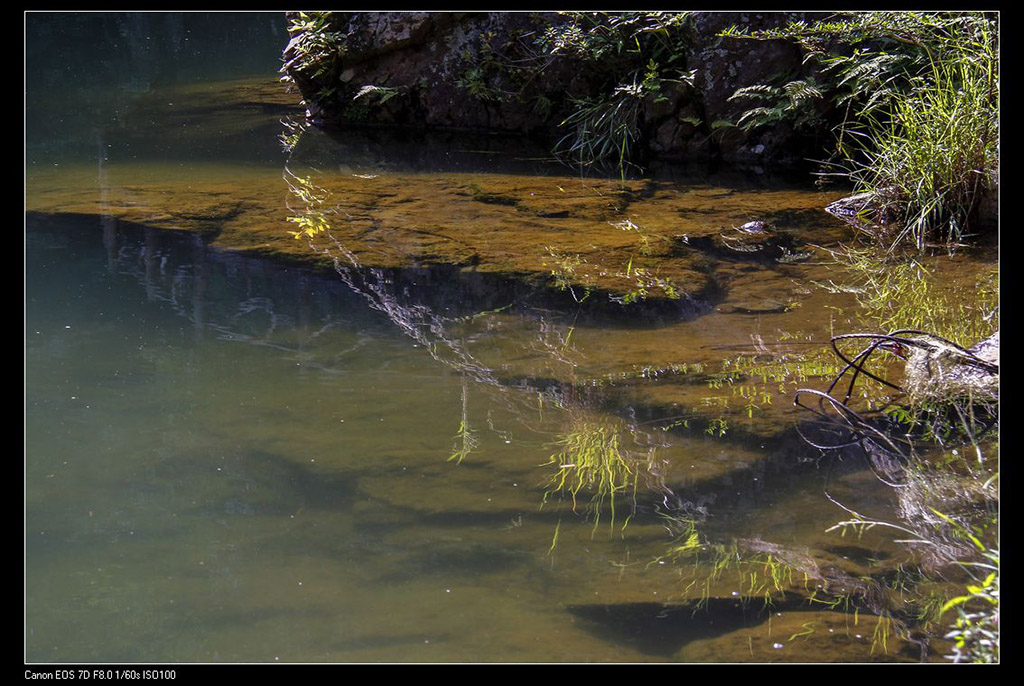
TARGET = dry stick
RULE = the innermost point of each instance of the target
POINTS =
(857, 361)
(860, 427)
(896, 342)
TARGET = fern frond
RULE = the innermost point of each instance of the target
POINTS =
(759, 116)
(759, 90)
(802, 90)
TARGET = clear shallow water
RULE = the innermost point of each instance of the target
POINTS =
(231, 460)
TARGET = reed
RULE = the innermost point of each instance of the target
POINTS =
(604, 129)
(916, 96)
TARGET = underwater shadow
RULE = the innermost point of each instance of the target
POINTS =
(662, 630)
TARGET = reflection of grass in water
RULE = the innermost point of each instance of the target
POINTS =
(754, 380)
(465, 438)
(898, 292)
(591, 462)
(465, 443)
(762, 576)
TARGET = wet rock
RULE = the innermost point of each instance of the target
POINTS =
(755, 227)
(988, 349)
(725, 64)
(856, 210)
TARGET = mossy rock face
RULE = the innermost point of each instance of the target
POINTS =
(526, 72)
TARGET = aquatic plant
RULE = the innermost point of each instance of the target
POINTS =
(757, 379)
(766, 576)
(755, 569)
(717, 427)
(465, 441)
(310, 215)
(643, 283)
(589, 459)
(566, 275)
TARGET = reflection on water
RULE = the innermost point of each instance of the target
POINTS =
(231, 459)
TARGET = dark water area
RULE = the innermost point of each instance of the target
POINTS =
(137, 51)
(85, 70)
(369, 446)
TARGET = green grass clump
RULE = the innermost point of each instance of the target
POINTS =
(604, 129)
(930, 160)
(915, 101)
(975, 631)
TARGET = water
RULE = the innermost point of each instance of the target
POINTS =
(235, 459)
(232, 461)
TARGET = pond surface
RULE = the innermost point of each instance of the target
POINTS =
(450, 429)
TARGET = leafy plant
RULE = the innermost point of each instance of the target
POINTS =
(566, 275)
(310, 216)
(465, 441)
(379, 93)
(314, 46)
(642, 51)
(604, 129)
(474, 80)
(975, 631)
(644, 282)
(795, 101)
(627, 39)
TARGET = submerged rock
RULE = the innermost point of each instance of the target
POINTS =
(988, 349)
(753, 241)
(757, 227)
(861, 211)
